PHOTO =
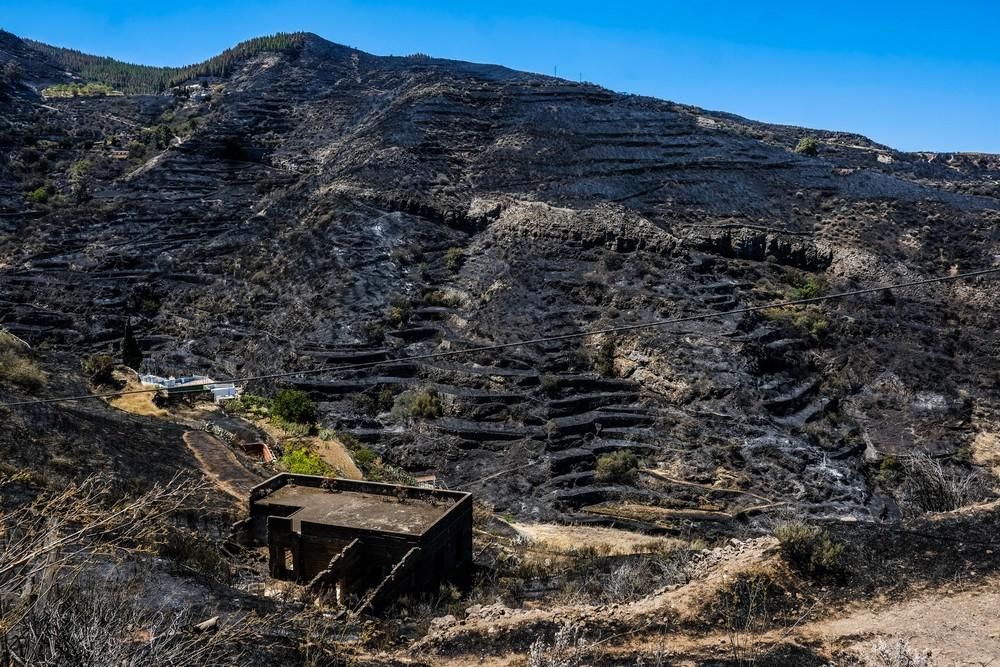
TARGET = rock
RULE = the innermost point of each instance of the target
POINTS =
(441, 622)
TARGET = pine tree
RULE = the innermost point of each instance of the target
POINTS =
(132, 79)
(131, 353)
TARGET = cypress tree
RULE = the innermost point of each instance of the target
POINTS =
(131, 354)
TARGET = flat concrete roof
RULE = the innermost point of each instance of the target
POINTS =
(352, 509)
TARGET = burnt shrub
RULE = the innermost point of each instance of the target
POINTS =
(927, 484)
(232, 149)
(100, 368)
(193, 552)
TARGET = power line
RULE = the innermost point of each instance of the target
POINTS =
(530, 341)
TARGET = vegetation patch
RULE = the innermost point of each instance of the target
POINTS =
(454, 258)
(293, 406)
(809, 319)
(79, 90)
(810, 549)
(807, 286)
(620, 466)
(808, 146)
(144, 79)
(301, 460)
(16, 365)
(420, 403)
(374, 403)
(441, 298)
(380, 471)
(604, 359)
(250, 405)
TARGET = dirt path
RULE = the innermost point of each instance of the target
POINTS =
(959, 629)
(220, 464)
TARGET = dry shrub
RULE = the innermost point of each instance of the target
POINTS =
(745, 603)
(620, 466)
(810, 548)
(928, 485)
(567, 649)
(886, 653)
(195, 553)
(109, 625)
(53, 613)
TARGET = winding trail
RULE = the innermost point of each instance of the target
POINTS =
(959, 628)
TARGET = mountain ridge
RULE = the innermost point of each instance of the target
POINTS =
(222, 64)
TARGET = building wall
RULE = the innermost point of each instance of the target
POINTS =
(447, 547)
(301, 552)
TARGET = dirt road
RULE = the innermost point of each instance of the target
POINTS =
(221, 465)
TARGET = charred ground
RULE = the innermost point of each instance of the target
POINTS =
(315, 205)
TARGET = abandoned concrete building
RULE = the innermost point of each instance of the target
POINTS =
(362, 543)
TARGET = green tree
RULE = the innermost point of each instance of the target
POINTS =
(294, 406)
(131, 352)
(79, 180)
(162, 135)
(136, 149)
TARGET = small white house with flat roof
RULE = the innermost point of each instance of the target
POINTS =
(220, 391)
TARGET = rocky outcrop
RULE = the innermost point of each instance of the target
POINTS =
(762, 245)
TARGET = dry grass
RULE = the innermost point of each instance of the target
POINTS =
(986, 451)
(335, 453)
(136, 404)
(607, 541)
(17, 366)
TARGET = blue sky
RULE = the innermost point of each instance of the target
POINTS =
(915, 75)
